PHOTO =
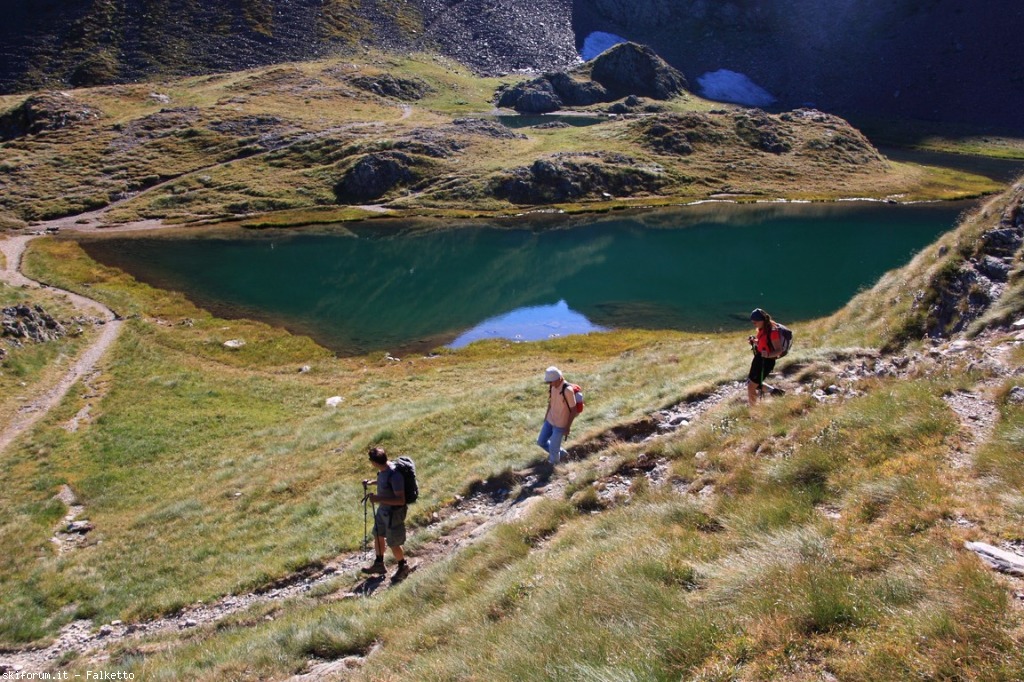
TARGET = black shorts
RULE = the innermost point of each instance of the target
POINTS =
(760, 367)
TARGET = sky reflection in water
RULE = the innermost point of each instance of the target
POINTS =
(532, 323)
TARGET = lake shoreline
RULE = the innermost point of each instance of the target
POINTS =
(413, 286)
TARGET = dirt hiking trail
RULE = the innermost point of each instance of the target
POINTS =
(85, 365)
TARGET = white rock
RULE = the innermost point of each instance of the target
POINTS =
(333, 401)
(234, 344)
(1019, 324)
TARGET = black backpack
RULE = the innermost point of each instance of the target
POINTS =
(785, 339)
(405, 466)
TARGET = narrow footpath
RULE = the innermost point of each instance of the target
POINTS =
(85, 365)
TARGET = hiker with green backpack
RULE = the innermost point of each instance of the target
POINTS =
(771, 342)
(393, 495)
(564, 403)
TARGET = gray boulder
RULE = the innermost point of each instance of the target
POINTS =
(532, 97)
(621, 71)
(631, 69)
(42, 112)
(577, 176)
(23, 323)
(374, 175)
(386, 85)
(551, 92)
(996, 269)
(577, 93)
(1003, 241)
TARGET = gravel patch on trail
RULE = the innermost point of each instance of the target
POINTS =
(978, 414)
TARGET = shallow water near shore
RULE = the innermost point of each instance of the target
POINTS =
(404, 287)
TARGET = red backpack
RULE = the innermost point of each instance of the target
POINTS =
(578, 393)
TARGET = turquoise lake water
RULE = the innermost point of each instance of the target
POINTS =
(381, 285)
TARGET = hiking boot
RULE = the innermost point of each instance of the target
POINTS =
(376, 568)
(776, 391)
(403, 570)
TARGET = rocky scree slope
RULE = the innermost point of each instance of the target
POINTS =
(91, 42)
(941, 60)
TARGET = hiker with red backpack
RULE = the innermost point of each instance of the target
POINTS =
(563, 406)
(389, 516)
(771, 342)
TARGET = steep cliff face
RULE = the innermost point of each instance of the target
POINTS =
(938, 60)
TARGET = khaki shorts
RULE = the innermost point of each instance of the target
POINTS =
(389, 523)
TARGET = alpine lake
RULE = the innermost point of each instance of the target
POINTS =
(402, 287)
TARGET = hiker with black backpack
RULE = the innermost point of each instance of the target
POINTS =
(771, 342)
(389, 517)
(558, 418)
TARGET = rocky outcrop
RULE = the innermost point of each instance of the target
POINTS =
(837, 140)
(578, 176)
(24, 324)
(551, 92)
(680, 134)
(964, 291)
(622, 71)
(386, 85)
(761, 131)
(373, 175)
(46, 111)
(631, 69)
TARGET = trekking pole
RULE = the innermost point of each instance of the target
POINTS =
(366, 536)
(760, 386)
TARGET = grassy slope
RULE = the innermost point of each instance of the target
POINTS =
(208, 471)
(277, 140)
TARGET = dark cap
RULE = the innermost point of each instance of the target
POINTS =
(757, 315)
